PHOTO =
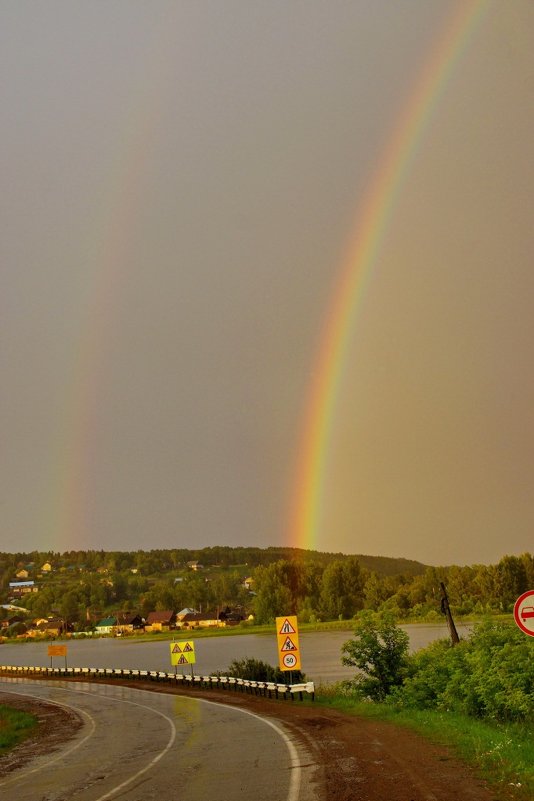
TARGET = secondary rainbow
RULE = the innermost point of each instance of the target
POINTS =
(105, 252)
(364, 247)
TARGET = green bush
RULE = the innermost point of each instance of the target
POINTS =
(256, 670)
(489, 676)
(379, 650)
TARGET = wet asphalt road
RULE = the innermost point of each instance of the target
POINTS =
(138, 746)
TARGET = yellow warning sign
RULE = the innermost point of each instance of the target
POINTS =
(289, 645)
(57, 650)
(286, 625)
(287, 635)
(183, 653)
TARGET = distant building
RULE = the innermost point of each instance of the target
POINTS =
(22, 574)
(160, 621)
(196, 620)
(106, 625)
(20, 588)
(128, 622)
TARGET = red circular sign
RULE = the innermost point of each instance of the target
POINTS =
(524, 612)
(290, 660)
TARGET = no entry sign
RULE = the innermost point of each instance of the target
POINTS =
(524, 612)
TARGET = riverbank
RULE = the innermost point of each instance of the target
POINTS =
(242, 629)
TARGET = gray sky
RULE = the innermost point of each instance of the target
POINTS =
(180, 181)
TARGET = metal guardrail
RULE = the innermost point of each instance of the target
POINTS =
(265, 688)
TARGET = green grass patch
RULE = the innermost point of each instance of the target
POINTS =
(15, 726)
(502, 754)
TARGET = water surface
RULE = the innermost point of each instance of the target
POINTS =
(321, 652)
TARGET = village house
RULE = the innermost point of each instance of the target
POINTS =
(19, 588)
(183, 612)
(128, 623)
(53, 627)
(160, 621)
(22, 574)
(106, 625)
(5, 624)
(195, 620)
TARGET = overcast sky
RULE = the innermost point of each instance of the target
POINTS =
(179, 184)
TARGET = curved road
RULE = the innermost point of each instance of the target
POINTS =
(136, 746)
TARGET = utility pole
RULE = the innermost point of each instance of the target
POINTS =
(445, 608)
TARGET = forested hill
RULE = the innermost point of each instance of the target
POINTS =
(156, 560)
(82, 587)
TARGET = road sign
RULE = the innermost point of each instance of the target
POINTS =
(289, 662)
(57, 650)
(524, 612)
(183, 653)
(287, 635)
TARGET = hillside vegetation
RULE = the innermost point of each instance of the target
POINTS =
(79, 587)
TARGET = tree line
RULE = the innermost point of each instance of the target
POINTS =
(343, 588)
(315, 586)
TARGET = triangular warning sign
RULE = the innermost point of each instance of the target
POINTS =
(182, 661)
(176, 649)
(188, 648)
(289, 645)
(287, 628)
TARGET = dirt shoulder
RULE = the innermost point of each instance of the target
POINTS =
(55, 726)
(358, 759)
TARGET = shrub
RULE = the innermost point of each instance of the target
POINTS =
(489, 676)
(256, 670)
(379, 650)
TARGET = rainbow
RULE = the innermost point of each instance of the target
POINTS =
(364, 247)
(106, 250)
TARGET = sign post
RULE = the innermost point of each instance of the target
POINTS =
(57, 650)
(524, 612)
(183, 653)
(287, 636)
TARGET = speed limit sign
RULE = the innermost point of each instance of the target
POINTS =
(289, 661)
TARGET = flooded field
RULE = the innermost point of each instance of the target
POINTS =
(321, 652)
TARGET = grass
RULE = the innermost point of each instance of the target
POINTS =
(502, 754)
(14, 727)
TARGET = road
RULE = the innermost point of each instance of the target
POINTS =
(136, 745)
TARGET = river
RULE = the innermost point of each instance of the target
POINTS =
(320, 652)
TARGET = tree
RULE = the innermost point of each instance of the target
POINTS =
(379, 650)
(342, 588)
(511, 580)
(70, 607)
(274, 596)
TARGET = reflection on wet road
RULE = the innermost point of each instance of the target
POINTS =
(137, 746)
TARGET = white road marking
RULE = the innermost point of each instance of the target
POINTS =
(135, 776)
(295, 772)
(64, 752)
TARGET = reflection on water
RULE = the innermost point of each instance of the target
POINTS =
(321, 652)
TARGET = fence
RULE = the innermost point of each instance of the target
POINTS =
(265, 688)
